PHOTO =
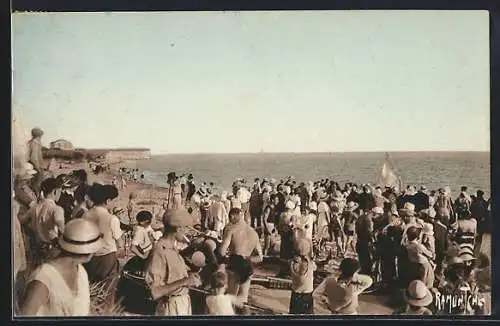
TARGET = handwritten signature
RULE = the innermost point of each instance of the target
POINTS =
(450, 302)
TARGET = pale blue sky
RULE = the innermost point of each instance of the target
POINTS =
(184, 82)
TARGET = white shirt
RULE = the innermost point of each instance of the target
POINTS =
(221, 304)
(306, 222)
(109, 226)
(62, 302)
(243, 195)
(142, 238)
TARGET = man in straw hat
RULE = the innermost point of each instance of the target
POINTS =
(417, 297)
(60, 287)
(35, 157)
(240, 242)
(167, 274)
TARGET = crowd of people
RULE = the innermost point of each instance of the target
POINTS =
(67, 235)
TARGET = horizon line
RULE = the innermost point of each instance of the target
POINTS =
(323, 152)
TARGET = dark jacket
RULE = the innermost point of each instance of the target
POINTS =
(366, 201)
(441, 236)
(421, 201)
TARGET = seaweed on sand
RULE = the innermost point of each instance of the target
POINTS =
(99, 305)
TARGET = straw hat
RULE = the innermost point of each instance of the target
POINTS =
(177, 218)
(417, 294)
(407, 210)
(378, 210)
(466, 253)
(81, 237)
(313, 206)
(351, 206)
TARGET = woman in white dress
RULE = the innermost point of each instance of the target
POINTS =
(324, 215)
(60, 287)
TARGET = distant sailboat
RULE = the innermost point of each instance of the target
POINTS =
(261, 150)
(387, 177)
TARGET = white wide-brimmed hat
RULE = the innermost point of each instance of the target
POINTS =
(378, 210)
(418, 294)
(81, 237)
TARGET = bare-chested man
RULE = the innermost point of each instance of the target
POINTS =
(240, 242)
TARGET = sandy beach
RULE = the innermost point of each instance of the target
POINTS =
(152, 197)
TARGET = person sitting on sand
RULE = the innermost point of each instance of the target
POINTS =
(218, 303)
(240, 242)
(167, 275)
(60, 287)
(417, 297)
(340, 294)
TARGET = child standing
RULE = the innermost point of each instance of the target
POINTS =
(218, 303)
(144, 235)
(302, 269)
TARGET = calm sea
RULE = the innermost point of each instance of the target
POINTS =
(433, 169)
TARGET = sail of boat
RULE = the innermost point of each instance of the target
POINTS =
(387, 177)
